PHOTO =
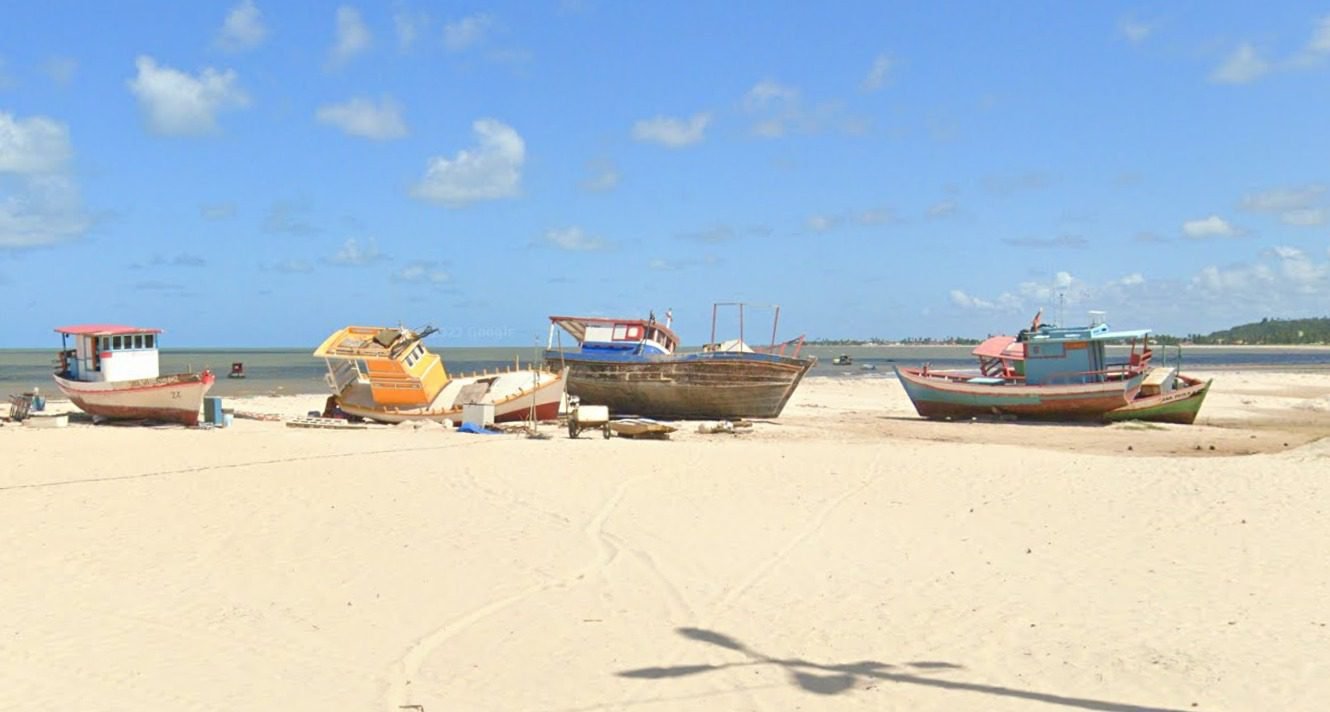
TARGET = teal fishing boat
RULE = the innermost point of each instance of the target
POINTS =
(1059, 373)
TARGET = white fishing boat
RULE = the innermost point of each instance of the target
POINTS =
(387, 374)
(113, 372)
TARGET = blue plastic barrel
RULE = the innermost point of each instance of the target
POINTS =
(212, 409)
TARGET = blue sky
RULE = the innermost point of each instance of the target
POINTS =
(261, 173)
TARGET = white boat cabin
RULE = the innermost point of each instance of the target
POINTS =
(108, 352)
(635, 336)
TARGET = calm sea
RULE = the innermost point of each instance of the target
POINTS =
(293, 371)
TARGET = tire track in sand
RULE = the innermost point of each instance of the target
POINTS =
(734, 593)
(407, 668)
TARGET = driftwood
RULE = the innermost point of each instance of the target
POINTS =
(326, 423)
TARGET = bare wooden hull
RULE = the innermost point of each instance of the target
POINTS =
(177, 398)
(707, 385)
(939, 396)
(1180, 405)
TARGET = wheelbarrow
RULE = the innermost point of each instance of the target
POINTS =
(588, 417)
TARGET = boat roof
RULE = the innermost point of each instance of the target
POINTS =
(1098, 332)
(576, 325)
(365, 342)
(996, 347)
(103, 330)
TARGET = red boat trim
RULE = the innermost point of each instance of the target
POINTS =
(172, 384)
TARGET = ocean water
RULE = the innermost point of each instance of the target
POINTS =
(295, 371)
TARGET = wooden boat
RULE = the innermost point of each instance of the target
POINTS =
(1166, 396)
(387, 375)
(237, 370)
(1047, 372)
(112, 372)
(633, 366)
(641, 428)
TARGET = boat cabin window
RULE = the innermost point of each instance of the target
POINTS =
(138, 341)
(115, 343)
(627, 332)
(1053, 350)
(148, 340)
(413, 357)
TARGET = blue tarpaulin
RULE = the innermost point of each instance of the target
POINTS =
(477, 429)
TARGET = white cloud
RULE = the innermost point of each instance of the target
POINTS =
(44, 205)
(243, 28)
(779, 109)
(1283, 199)
(409, 25)
(1241, 67)
(362, 117)
(35, 145)
(353, 254)
(1300, 206)
(1286, 279)
(177, 104)
(217, 211)
(61, 70)
(290, 217)
(1136, 31)
(768, 92)
(942, 209)
(1132, 279)
(875, 217)
(353, 36)
(1213, 226)
(573, 239)
(1320, 42)
(45, 209)
(1306, 217)
(489, 171)
(878, 73)
(1005, 302)
(293, 266)
(675, 133)
(821, 223)
(711, 236)
(460, 35)
(424, 272)
(604, 176)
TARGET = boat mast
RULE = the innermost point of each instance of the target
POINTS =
(714, 308)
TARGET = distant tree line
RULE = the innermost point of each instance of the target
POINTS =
(1270, 331)
(909, 341)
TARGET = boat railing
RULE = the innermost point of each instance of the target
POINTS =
(341, 374)
(794, 345)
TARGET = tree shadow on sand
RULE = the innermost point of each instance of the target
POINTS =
(834, 679)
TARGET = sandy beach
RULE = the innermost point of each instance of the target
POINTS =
(846, 556)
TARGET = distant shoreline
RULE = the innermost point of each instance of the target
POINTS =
(1299, 347)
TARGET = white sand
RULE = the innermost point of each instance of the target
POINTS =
(848, 556)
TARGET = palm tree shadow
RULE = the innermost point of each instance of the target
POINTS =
(834, 679)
